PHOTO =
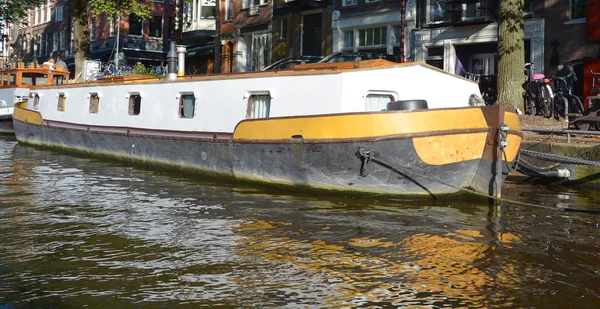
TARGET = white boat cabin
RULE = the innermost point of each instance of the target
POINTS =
(216, 103)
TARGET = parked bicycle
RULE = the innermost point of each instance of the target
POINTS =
(564, 98)
(111, 70)
(538, 94)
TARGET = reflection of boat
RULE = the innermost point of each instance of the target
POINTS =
(319, 126)
(15, 85)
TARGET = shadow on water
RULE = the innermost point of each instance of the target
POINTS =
(77, 231)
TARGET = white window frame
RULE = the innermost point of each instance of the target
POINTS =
(62, 40)
(162, 20)
(55, 41)
(282, 33)
(578, 19)
(382, 37)
(372, 1)
(229, 8)
(349, 2)
(380, 94)
(250, 111)
(352, 35)
(112, 27)
(58, 13)
(135, 35)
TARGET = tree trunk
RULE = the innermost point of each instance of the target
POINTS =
(81, 34)
(511, 53)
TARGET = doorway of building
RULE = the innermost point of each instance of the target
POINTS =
(312, 29)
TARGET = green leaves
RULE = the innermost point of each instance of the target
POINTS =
(111, 8)
(16, 10)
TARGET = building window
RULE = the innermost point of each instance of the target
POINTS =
(373, 36)
(372, 1)
(377, 102)
(135, 104)
(349, 2)
(62, 102)
(58, 13)
(55, 41)
(229, 15)
(436, 11)
(283, 29)
(435, 57)
(578, 9)
(135, 25)
(111, 28)
(349, 39)
(156, 27)
(187, 105)
(92, 28)
(36, 101)
(94, 103)
(62, 40)
(259, 106)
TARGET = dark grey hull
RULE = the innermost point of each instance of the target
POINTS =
(325, 166)
(6, 125)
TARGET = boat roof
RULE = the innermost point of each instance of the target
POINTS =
(298, 70)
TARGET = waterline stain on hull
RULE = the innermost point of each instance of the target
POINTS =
(318, 166)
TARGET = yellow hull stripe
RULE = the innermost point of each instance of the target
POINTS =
(454, 148)
(360, 125)
(25, 115)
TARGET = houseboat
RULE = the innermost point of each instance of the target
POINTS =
(364, 127)
(15, 84)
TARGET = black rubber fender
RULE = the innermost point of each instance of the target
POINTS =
(407, 105)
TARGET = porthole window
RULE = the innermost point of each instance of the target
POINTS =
(377, 102)
(187, 105)
(94, 103)
(135, 104)
(259, 106)
(62, 102)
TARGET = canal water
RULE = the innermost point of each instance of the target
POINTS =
(79, 232)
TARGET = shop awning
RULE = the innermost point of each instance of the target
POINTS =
(201, 50)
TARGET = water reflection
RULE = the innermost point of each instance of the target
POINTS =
(76, 231)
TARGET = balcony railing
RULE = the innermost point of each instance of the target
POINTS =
(461, 11)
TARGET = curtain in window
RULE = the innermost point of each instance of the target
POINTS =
(261, 104)
(377, 102)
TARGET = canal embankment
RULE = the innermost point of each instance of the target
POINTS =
(551, 138)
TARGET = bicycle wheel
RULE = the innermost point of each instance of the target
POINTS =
(545, 101)
(559, 106)
(575, 105)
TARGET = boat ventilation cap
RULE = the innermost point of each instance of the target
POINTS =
(406, 105)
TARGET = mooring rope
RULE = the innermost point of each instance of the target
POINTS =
(557, 158)
(369, 155)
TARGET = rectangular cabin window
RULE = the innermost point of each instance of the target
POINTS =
(135, 104)
(377, 102)
(259, 106)
(36, 101)
(187, 105)
(13, 79)
(62, 102)
(94, 103)
(4, 79)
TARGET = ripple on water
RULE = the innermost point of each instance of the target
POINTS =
(80, 232)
